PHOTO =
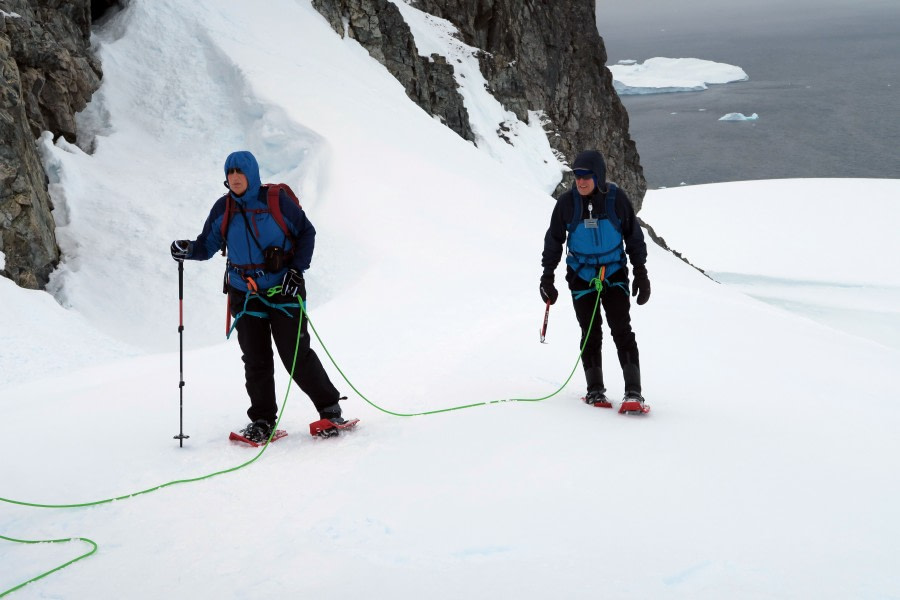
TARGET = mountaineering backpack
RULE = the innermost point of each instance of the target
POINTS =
(272, 193)
(279, 256)
(588, 249)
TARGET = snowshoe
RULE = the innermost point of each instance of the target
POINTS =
(257, 434)
(331, 427)
(598, 399)
(633, 404)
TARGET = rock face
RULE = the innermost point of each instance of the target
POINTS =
(379, 27)
(47, 74)
(536, 55)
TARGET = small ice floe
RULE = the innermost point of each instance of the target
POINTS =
(739, 117)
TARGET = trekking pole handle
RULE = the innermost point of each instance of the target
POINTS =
(180, 296)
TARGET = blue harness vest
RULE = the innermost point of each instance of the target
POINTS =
(589, 248)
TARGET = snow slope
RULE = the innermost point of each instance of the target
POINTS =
(756, 475)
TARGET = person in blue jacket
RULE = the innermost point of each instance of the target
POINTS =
(596, 221)
(261, 256)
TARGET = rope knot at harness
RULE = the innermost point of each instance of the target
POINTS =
(596, 285)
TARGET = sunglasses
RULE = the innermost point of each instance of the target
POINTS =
(583, 175)
(233, 170)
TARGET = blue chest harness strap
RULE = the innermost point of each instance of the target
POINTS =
(592, 241)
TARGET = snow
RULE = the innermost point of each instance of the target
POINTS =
(661, 75)
(851, 285)
(10, 15)
(736, 116)
(763, 470)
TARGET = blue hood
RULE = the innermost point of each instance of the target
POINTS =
(246, 162)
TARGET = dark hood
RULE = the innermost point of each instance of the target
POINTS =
(592, 161)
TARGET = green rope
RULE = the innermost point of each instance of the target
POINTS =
(597, 283)
(148, 490)
(62, 566)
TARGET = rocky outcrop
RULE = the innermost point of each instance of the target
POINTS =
(47, 74)
(542, 55)
(379, 27)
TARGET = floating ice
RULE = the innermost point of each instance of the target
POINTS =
(739, 117)
(660, 75)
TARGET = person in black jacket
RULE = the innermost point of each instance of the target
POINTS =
(596, 221)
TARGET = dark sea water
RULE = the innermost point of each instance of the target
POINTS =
(824, 79)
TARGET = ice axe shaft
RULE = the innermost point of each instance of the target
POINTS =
(544, 326)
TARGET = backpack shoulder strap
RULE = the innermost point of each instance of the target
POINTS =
(611, 207)
(576, 213)
(272, 199)
(226, 220)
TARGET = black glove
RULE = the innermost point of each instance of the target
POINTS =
(182, 249)
(641, 285)
(548, 290)
(293, 284)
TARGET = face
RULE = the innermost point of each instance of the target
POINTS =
(584, 182)
(237, 181)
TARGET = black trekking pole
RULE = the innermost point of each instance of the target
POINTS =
(181, 437)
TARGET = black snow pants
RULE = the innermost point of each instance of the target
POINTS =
(615, 298)
(255, 335)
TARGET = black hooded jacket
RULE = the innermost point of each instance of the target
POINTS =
(562, 215)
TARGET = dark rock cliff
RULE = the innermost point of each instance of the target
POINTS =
(379, 27)
(536, 55)
(47, 74)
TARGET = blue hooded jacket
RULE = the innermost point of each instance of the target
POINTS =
(252, 228)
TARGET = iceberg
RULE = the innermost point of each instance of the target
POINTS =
(739, 117)
(662, 75)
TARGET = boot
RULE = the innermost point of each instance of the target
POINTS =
(594, 378)
(596, 391)
(631, 373)
(332, 413)
(258, 431)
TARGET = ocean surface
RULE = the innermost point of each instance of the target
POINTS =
(824, 78)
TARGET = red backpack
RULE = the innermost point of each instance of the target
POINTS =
(272, 192)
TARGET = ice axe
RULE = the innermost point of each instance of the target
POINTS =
(544, 326)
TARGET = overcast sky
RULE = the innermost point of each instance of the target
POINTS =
(708, 13)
